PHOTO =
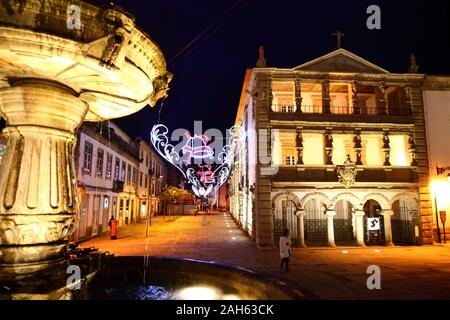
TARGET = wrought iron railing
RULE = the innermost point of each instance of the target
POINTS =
(360, 110)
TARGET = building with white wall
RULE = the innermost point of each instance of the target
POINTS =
(336, 152)
(107, 169)
(436, 98)
(117, 176)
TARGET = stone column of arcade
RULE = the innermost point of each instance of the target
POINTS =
(51, 80)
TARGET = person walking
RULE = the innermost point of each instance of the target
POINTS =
(285, 249)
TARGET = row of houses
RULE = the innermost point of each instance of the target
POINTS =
(343, 152)
(118, 177)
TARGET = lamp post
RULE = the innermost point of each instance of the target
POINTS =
(442, 213)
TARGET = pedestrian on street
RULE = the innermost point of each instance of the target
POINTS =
(285, 248)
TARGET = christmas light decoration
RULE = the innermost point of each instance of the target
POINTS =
(190, 154)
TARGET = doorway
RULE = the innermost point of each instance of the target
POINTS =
(373, 224)
(402, 223)
(343, 224)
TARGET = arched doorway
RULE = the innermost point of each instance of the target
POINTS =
(402, 222)
(343, 226)
(315, 223)
(373, 223)
(284, 217)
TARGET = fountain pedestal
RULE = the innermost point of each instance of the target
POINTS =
(37, 192)
(52, 79)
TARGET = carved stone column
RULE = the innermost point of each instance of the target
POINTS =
(359, 219)
(386, 148)
(37, 197)
(299, 146)
(408, 95)
(412, 149)
(358, 147)
(355, 101)
(301, 228)
(387, 214)
(330, 227)
(326, 100)
(298, 96)
(328, 136)
(381, 98)
(270, 95)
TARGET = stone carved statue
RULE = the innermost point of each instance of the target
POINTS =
(358, 147)
(357, 139)
(411, 142)
(329, 147)
(412, 149)
(328, 139)
(386, 142)
(161, 86)
(298, 97)
(382, 88)
(299, 145)
(299, 139)
(413, 67)
(326, 87)
(261, 62)
(118, 26)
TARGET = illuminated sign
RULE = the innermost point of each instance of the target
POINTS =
(373, 224)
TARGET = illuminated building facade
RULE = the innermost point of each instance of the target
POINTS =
(335, 152)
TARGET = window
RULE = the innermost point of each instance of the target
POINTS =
(287, 108)
(129, 175)
(134, 176)
(146, 181)
(87, 165)
(99, 166)
(153, 188)
(313, 149)
(109, 159)
(290, 160)
(123, 171)
(140, 179)
(116, 169)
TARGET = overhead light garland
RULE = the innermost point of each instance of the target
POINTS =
(197, 161)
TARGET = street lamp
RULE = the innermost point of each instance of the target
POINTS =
(441, 170)
(442, 213)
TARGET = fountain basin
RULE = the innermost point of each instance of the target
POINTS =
(180, 278)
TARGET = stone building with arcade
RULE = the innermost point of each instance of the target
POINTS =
(336, 152)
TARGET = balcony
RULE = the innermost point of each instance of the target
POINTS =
(346, 114)
(365, 174)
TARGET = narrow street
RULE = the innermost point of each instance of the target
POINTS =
(327, 273)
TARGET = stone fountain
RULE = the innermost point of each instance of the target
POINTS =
(54, 74)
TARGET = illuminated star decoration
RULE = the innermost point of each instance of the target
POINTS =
(188, 157)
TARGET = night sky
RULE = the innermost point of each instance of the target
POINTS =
(208, 77)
